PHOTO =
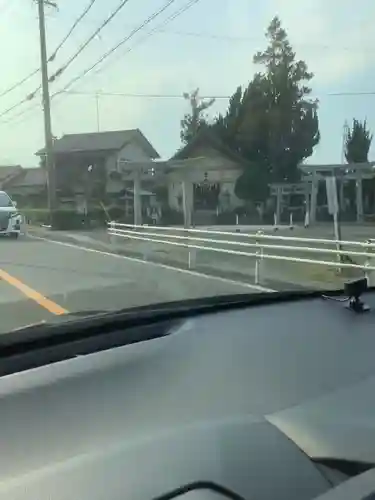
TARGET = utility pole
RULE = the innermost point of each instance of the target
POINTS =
(49, 157)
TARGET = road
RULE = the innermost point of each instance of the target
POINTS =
(40, 280)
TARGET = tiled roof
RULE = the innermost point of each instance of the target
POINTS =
(9, 171)
(100, 141)
(205, 138)
(30, 177)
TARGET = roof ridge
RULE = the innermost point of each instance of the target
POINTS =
(101, 132)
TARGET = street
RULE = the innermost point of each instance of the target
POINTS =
(40, 280)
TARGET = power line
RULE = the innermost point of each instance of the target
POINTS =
(341, 94)
(75, 24)
(21, 82)
(239, 39)
(165, 22)
(113, 49)
(180, 96)
(107, 54)
(15, 106)
(89, 40)
(156, 96)
(21, 113)
(147, 96)
(153, 96)
(54, 54)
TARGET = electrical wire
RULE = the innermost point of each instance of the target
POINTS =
(109, 52)
(146, 96)
(21, 113)
(113, 49)
(244, 39)
(15, 106)
(54, 54)
(75, 24)
(165, 22)
(336, 299)
(88, 41)
(18, 84)
(222, 96)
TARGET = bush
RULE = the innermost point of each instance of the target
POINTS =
(69, 219)
(226, 218)
(65, 218)
(171, 217)
(116, 213)
(36, 216)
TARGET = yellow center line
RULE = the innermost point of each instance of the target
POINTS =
(32, 294)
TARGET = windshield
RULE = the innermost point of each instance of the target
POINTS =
(182, 151)
(5, 201)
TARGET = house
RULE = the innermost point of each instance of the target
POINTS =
(87, 165)
(200, 179)
(122, 167)
(210, 170)
(7, 173)
(29, 187)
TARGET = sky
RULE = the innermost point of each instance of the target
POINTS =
(209, 46)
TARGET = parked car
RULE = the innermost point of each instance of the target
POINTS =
(10, 218)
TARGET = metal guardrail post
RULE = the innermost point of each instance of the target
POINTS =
(368, 261)
(192, 258)
(258, 258)
(111, 236)
(192, 253)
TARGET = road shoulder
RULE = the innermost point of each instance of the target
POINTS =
(175, 259)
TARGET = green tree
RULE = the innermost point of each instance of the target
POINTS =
(273, 123)
(358, 142)
(227, 126)
(293, 127)
(357, 146)
(195, 119)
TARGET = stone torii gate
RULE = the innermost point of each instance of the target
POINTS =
(313, 174)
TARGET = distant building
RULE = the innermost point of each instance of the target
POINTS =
(7, 173)
(28, 186)
(87, 165)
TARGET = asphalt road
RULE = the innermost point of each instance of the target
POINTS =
(42, 280)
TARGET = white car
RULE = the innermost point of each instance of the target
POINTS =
(10, 218)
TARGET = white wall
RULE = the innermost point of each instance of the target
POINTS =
(226, 178)
(132, 152)
(174, 190)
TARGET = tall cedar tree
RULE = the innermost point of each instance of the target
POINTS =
(272, 123)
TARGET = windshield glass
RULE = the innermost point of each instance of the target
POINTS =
(5, 201)
(182, 151)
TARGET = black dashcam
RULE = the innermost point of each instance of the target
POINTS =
(354, 290)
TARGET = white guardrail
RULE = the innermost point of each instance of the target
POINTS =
(257, 245)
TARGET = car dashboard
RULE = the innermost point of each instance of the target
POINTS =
(273, 400)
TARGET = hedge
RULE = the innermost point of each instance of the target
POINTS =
(68, 218)
(65, 218)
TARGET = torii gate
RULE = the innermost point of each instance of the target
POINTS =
(279, 190)
(137, 171)
(312, 174)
